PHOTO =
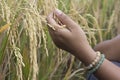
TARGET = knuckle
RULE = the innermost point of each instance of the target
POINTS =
(59, 32)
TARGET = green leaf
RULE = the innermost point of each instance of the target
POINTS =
(2, 47)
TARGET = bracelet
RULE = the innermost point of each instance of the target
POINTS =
(90, 66)
(98, 65)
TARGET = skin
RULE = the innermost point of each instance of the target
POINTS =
(73, 39)
(110, 48)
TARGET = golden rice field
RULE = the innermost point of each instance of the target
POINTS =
(26, 49)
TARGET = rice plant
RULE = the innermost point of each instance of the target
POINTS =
(26, 49)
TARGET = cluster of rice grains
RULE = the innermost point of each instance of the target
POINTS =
(26, 36)
(58, 22)
(26, 22)
(5, 17)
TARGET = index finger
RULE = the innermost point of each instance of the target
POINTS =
(51, 22)
(65, 19)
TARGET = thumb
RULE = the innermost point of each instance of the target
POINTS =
(66, 20)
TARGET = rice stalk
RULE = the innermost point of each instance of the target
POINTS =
(117, 16)
(69, 69)
(19, 63)
(49, 6)
(33, 45)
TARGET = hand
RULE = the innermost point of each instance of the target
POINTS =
(71, 38)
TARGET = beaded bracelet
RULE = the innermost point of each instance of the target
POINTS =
(98, 65)
(94, 62)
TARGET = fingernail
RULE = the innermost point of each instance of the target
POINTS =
(58, 12)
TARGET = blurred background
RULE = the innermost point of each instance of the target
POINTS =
(26, 49)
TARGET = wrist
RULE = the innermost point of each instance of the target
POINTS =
(86, 55)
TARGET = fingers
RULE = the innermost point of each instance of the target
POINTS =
(64, 18)
(52, 23)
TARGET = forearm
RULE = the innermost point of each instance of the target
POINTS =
(107, 71)
(110, 48)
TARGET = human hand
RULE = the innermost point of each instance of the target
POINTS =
(70, 38)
